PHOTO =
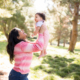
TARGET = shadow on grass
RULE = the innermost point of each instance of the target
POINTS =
(2, 73)
(77, 49)
(36, 54)
(60, 66)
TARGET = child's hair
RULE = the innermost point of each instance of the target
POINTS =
(42, 15)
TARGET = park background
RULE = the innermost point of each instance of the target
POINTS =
(63, 22)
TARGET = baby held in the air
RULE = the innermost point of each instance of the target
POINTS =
(40, 22)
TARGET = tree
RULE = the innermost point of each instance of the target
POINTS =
(58, 29)
(61, 23)
(74, 30)
(73, 6)
(17, 20)
(15, 17)
(65, 35)
(61, 31)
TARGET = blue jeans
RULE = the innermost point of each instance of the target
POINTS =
(17, 75)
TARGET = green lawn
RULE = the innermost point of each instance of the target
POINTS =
(58, 64)
(61, 66)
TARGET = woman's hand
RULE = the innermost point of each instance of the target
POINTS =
(42, 29)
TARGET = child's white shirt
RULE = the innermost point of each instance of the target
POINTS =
(39, 24)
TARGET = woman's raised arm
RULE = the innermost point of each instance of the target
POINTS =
(33, 47)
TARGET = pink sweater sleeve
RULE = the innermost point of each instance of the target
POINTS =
(33, 47)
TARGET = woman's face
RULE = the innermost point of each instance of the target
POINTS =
(22, 34)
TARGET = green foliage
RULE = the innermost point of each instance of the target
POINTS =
(73, 8)
(17, 18)
(1, 2)
(66, 1)
(61, 22)
(60, 31)
(15, 0)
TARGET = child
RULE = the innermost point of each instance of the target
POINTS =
(40, 22)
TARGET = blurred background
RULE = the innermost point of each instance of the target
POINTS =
(63, 22)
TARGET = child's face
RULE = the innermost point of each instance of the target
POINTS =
(38, 18)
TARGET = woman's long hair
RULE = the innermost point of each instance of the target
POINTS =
(12, 41)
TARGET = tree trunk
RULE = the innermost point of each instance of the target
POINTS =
(74, 30)
(6, 34)
(58, 42)
(50, 42)
(70, 35)
(64, 43)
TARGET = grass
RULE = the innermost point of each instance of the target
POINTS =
(58, 64)
(77, 47)
(2, 37)
(3, 44)
(53, 66)
(3, 47)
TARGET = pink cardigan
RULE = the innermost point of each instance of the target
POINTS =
(23, 54)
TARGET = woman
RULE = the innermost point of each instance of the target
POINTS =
(20, 51)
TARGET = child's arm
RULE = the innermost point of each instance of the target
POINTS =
(36, 31)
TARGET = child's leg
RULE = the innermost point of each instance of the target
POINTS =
(45, 52)
(46, 39)
(41, 54)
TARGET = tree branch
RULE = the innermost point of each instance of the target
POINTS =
(71, 10)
